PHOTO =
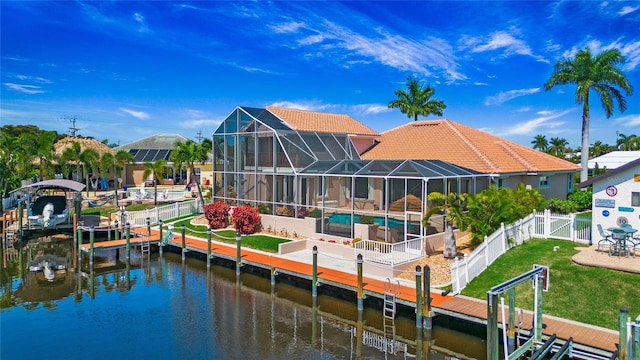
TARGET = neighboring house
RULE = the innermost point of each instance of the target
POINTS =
(508, 163)
(616, 197)
(151, 149)
(613, 160)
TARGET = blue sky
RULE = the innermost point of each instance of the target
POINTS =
(127, 70)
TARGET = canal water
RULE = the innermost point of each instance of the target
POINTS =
(164, 307)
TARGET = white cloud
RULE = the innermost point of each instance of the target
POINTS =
(27, 89)
(509, 95)
(524, 109)
(500, 40)
(629, 120)
(33, 78)
(289, 27)
(630, 51)
(371, 108)
(200, 123)
(304, 105)
(478, 83)
(627, 10)
(531, 127)
(136, 114)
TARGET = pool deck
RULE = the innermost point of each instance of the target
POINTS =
(594, 339)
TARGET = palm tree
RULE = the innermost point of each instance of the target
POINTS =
(187, 154)
(540, 142)
(121, 158)
(89, 158)
(451, 205)
(598, 73)
(558, 147)
(153, 169)
(417, 101)
(625, 142)
(72, 155)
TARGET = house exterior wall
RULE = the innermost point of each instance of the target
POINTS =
(613, 207)
(558, 184)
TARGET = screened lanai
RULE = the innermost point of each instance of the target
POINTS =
(266, 162)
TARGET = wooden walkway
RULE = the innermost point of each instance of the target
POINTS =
(584, 336)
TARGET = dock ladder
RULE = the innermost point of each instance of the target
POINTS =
(145, 244)
(391, 291)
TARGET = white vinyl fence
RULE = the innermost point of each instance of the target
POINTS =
(390, 254)
(545, 225)
(172, 211)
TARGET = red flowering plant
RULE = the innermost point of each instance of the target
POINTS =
(217, 214)
(247, 220)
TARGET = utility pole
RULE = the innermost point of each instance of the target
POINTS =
(199, 136)
(73, 127)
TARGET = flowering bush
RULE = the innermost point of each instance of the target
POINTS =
(217, 214)
(247, 220)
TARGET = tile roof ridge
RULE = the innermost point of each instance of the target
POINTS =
(412, 123)
(305, 110)
(529, 166)
(471, 145)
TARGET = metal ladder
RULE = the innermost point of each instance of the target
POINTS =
(145, 245)
(391, 291)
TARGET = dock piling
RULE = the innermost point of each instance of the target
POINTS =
(623, 318)
(117, 230)
(209, 247)
(127, 229)
(160, 240)
(184, 245)
(360, 285)
(79, 245)
(314, 282)
(20, 230)
(238, 252)
(428, 316)
(419, 303)
(91, 240)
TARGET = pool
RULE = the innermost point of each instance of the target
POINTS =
(346, 219)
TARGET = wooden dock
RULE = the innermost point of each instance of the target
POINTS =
(590, 338)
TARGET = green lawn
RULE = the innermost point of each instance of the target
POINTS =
(585, 294)
(106, 209)
(257, 241)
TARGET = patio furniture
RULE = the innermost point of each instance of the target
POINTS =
(606, 239)
(623, 240)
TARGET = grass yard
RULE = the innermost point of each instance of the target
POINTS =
(106, 209)
(585, 294)
(256, 241)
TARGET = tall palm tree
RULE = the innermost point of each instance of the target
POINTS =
(600, 74)
(540, 142)
(625, 142)
(187, 154)
(417, 101)
(451, 205)
(72, 155)
(153, 169)
(89, 158)
(558, 147)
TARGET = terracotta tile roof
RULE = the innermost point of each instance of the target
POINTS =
(303, 120)
(464, 146)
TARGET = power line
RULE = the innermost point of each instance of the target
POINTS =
(199, 136)
(73, 127)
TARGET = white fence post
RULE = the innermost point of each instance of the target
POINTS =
(547, 223)
(486, 252)
(466, 268)
(504, 238)
(572, 225)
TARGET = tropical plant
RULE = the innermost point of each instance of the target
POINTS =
(452, 206)
(417, 100)
(630, 142)
(153, 169)
(540, 142)
(583, 199)
(43, 150)
(558, 147)
(217, 213)
(187, 154)
(600, 74)
(246, 220)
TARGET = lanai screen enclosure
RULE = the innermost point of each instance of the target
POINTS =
(263, 161)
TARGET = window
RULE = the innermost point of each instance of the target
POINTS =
(570, 183)
(362, 188)
(501, 183)
(635, 199)
(544, 182)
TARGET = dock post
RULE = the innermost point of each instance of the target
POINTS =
(91, 239)
(511, 329)
(127, 229)
(418, 297)
(149, 228)
(79, 244)
(492, 326)
(209, 247)
(426, 298)
(160, 240)
(274, 272)
(623, 318)
(184, 244)
(117, 232)
(636, 339)
(360, 286)
(75, 237)
(314, 282)
(20, 218)
(238, 252)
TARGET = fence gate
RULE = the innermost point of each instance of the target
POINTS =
(560, 226)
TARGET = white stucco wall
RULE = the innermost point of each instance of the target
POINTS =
(614, 207)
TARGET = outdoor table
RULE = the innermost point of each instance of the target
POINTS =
(621, 235)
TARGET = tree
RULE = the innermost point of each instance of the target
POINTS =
(451, 205)
(540, 142)
(600, 74)
(625, 142)
(89, 158)
(417, 101)
(558, 147)
(153, 169)
(187, 154)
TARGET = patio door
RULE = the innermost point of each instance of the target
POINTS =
(412, 225)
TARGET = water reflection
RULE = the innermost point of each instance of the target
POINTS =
(180, 309)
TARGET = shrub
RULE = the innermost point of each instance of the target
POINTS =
(315, 213)
(562, 206)
(582, 199)
(217, 214)
(303, 212)
(284, 211)
(246, 219)
(264, 209)
(366, 219)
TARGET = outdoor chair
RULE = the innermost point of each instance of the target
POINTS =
(606, 239)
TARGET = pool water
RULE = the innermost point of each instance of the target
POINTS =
(346, 219)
